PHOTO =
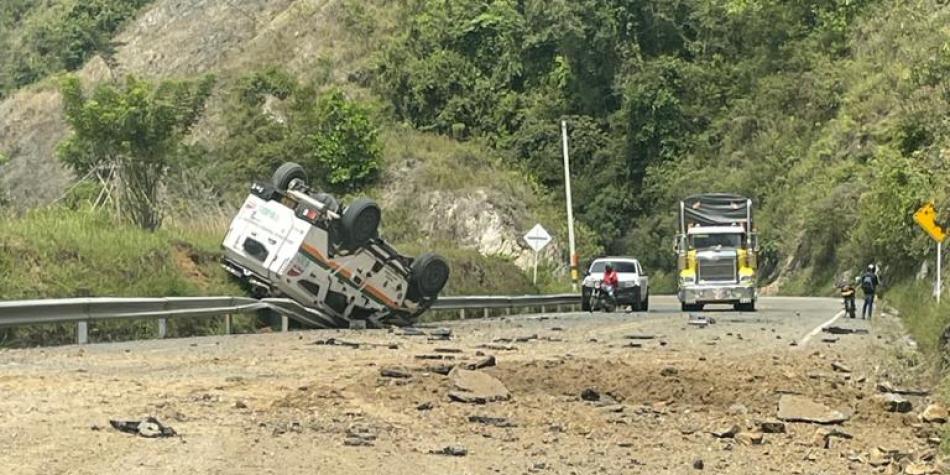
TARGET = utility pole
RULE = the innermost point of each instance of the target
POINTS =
(570, 207)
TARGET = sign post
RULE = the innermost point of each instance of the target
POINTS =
(537, 239)
(926, 217)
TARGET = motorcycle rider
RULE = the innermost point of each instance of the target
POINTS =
(610, 281)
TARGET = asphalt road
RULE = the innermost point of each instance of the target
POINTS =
(278, 403)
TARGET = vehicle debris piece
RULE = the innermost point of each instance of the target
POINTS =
(844, 331)
(492, 421)
(336, 342)
(887, 387)
(451, 451)
(149, 428)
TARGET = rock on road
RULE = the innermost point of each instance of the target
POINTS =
(561, 393)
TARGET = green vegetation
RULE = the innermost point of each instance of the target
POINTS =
(271, 118)
(41, 38)
(129, 137)
(66, 253)
(827, 113)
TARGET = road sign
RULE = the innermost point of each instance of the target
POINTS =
(537, 238)
(926, 217)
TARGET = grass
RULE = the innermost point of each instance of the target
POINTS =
(61, 253)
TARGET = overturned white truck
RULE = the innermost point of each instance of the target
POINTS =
(289, 240)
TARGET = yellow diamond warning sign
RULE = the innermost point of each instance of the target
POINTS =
(926, 217)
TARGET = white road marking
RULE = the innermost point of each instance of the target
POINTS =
(819, 328)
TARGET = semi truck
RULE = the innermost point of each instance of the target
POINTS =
(717, 251)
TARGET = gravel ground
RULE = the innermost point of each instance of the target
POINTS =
(617, 393)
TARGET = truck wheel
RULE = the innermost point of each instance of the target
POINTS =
(287, 173)
(585, 300)
(646, 303)
(429, 274)
(361, 222)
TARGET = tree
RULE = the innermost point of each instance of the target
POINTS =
(128, 135)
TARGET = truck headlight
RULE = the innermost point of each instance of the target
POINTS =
(687, 279)
(745, 279)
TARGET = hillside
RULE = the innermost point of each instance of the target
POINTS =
(831, 115)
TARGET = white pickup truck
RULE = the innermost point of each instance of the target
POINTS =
(289, 240)
(633, 283)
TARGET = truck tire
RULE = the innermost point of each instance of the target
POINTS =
(696, 307)
(646, 303)
(360, 222)
(745, 307)
(287, 173)
(429, 274)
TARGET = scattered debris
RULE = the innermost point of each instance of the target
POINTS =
(240, 405)
(336, 342)
(395, 372)
(149, 428)
(590, 394)
(886, 387)
(669, 371)
(823, 436)
(442, 369)
(840, 367)
(476, 387)
(485, 362)
(434, 357)
(936, 413)
(749, 438)
(451, 451)
(845, 331)
(700, 321)
(792, 408)
(639, 336)
(440, 334)
(525, 339)
(893, 403)
(412, 331)
(698, 464)
(426, 406)
(448, 350)
(830, 339)
(497, 347)
(727, 432)
(492, 421)
(771, 426)
(359, 435)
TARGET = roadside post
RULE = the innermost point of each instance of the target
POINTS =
(537, 239)
(570, 208)
(926, 217)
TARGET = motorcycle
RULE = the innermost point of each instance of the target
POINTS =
(847, 294)
(601, 298)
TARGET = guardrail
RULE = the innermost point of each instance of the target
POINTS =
(82, 311)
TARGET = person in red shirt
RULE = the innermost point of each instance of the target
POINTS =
(610, 280)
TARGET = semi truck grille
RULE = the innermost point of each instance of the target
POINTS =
(722, 269)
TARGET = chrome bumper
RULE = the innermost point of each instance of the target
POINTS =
(733, 293)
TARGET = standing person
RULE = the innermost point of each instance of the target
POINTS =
(869, 284)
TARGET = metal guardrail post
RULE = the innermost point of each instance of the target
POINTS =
(462, 314)
(162, 328)
(82, 332)
(227, 324)
(284, 323)
(486, 313)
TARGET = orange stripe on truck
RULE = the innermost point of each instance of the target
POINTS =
(316, 254)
